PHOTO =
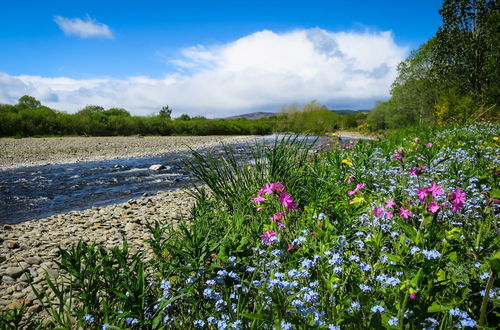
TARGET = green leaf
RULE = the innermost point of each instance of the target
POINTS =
(436, 307)
(409, 230)
(495, 262)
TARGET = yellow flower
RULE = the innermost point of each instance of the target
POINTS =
(345, 161)
(249, 167)
(333, 134)
(496, 138)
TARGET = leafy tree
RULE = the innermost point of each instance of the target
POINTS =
(117, 112)
(466, 51)
(183, 117)
(27, 101)
(166, 112)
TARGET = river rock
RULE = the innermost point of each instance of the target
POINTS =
(13, 272)
(157, 167)
(12, 244)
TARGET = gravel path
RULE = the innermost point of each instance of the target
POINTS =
(60, 150)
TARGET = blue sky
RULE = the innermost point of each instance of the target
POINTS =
(263, 54)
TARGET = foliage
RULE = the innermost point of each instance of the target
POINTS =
(453, 76)
(400, 233)
(30, 118)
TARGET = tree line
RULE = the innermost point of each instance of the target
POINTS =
(454, 76)
(30, 118)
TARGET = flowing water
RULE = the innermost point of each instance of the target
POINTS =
(39, 191)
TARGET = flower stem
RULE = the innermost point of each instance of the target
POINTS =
(484, 305)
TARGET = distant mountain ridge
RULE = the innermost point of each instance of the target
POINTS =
(261, 114)
(253, 115)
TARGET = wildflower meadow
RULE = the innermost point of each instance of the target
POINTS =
(400, 233)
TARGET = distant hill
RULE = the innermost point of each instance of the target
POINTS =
(253, 115)
(350, 112)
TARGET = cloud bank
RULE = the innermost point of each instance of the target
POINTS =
(86, 28)
(261, 71)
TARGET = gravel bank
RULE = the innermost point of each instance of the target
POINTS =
(32, 246)
(60, 150)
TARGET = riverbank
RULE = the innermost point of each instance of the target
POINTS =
(61, 150)
(32, 246)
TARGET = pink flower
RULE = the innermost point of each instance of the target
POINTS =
(390, 203)
(404, 213)
(269, 237)
(433, 207)
(421, 168)
(413, 171)
(416, 140)
(422, 194)
(435, 189)
(429, 144)
(378, 212)
(292, 247)
(287, 201)
(389, 215)
(277, 187)
(281, 226)
(456, 206)
(257, 200)
(458, 195)
(350, 178)
(457, 199)
(268, 189)
(358, 187)
(420, 158)
(413, 296)
(259, 209)
(278, 216)
(397, 158)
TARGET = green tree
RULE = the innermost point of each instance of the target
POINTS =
(27, 101)
(466, 51)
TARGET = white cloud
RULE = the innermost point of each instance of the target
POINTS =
(261, 71)
(86, 28)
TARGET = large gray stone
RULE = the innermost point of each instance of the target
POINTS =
(13, 272)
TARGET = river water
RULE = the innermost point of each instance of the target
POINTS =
(36, 192)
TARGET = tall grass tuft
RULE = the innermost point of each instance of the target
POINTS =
(234, 183)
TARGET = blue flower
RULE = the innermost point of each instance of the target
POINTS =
(484, 276)
(468, 322)
(105, 326)
(165, 285)
(378, 309)
(307, 263)
(286, 325)
(365, 288)
(432, 254)
(364, 267)
(355, 305)
(88, 318)
(199, 323)
(393, 321)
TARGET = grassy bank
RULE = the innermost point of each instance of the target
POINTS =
(398, 233)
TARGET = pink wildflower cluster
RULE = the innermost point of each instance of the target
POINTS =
(398, 155)
(276, 188)
(456, 198)
(270, 237)
(390, 209)
(417, 171)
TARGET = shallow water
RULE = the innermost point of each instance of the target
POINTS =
(39, 191)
